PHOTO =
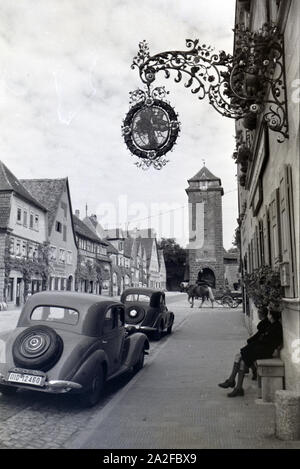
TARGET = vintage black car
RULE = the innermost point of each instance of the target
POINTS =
(146, 309)
(69, 342)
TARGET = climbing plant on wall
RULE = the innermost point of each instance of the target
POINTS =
(264, 288)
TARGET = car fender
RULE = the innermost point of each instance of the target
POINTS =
(86, 369)
(158, 320)
(171, 317)
(137, 342)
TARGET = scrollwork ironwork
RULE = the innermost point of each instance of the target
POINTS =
(250, 82)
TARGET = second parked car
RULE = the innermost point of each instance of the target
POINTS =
(146, 309)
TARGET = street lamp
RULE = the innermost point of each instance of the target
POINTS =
(246, 85)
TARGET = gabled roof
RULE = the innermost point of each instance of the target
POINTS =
(81, 229)
(92, 225)
(111, 249)
(9, 183)
(48, 192)
(204, 175)
(128, 243)
(4, 209)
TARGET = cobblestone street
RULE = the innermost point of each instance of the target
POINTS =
(174, 402)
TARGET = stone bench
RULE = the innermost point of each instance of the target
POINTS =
(270, 375)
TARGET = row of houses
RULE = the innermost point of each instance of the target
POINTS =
(44, 245)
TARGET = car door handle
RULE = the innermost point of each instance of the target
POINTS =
(104, 341)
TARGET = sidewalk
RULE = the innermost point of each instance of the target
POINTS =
(175, 402)
(9, 319)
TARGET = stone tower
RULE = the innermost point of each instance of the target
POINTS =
(205, 228)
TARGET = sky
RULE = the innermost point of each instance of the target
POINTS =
(64, 93)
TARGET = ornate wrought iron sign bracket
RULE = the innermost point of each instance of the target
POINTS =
(245, 85)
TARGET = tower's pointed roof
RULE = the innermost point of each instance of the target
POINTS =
(204, 175)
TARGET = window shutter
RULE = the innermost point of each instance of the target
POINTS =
(266, 236)
(275, 228)
(64, 233)
(287, 227)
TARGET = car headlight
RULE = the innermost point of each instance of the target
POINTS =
(133, 313)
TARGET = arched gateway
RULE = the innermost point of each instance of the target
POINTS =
(205, 247)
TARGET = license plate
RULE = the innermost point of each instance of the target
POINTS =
(26, 379)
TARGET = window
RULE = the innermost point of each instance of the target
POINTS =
(11, 246)
(53, 253)
(24, 248)
(35, 252)
(62, 255)
(286, 221)
(58, 226)
(25, 218)
(31, 221)
(36, 222)
(18, 247)
(275, 228)
(69, 257)
(19, 215)
(138, 297)
(30, 251)
(108, 321)
(55, 314)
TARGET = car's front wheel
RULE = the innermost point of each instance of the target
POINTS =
(140, 363)
(93, 395)
(159, 332)
(169, 330)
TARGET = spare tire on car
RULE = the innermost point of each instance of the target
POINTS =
(134, 314)
(37, 347)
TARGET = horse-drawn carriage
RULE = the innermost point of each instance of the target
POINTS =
(229, 299)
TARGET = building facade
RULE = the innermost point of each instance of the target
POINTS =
(54, 194)
(269, 179)
(93, 272)
(23, 241)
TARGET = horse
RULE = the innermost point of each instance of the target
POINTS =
(199, 291)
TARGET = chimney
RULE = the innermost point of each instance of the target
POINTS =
(77, 213)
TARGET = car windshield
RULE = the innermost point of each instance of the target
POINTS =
(55, 313)
(139, 297)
